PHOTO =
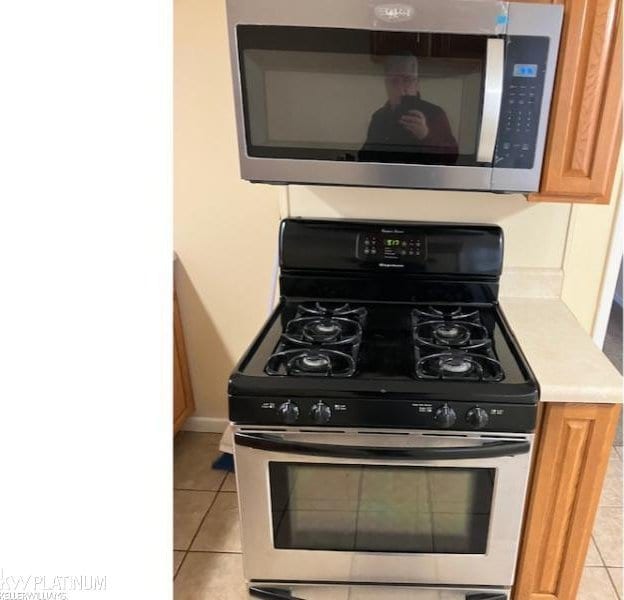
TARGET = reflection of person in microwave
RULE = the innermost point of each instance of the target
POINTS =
(407, 123)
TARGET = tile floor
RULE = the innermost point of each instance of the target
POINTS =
(207, 561)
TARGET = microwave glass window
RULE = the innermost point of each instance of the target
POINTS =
(356, 95)
(380, 508)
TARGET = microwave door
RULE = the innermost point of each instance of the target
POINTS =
(367, 107)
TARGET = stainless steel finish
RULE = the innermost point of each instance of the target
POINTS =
(377, 592)
(543, 20)
(278, 170)
(495, 568)
(442, 16)
(485, 17)
(451, 16)
(492, 98)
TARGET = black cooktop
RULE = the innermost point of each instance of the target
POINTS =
(387, 349)
(395, 338)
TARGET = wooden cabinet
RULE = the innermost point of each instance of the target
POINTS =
(569, 468)
(183, 404)
(585, 129)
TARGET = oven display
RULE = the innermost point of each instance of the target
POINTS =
(396, 248)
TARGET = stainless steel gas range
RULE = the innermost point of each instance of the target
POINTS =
(384, 418)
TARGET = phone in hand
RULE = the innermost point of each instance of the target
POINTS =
(410, 103)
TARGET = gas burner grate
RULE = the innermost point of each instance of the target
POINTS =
(451, 343)
(322, 340)
(459, 366)
(323, 330)
(311, 362)
(328, 309)
(451, 334)
(449, 312)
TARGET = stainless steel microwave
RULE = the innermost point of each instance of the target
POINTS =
(437, 94)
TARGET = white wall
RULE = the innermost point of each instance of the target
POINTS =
(535, 233)
(225, 229)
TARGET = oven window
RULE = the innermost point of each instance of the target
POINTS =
(380, 508)
(357, 95)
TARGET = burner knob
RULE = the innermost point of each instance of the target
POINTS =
(320, 413)
(445, 417)
(477, 417)
(289, 412)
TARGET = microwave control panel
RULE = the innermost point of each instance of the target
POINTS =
(523, 88)
(391, 247)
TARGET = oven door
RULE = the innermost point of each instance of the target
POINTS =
(399, 507)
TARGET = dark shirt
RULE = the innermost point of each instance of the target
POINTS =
(387, 137)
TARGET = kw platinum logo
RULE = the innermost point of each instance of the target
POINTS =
(394, 13)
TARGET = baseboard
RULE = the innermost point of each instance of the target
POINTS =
(205, 424)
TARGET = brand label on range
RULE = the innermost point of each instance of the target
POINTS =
(423, 408)
(340, 407)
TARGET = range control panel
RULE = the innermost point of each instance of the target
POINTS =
(525, 71)
(315, 412)
(391, 247)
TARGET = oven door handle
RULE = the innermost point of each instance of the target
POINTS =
(281, 594)
(271, 594)
(261, 441)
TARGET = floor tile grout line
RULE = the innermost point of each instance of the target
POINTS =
(202, 522)
(593, 541)
(181, 563)
(216, 495)
(598, 550)
(609, 578)
(613, 583)
(604, 562)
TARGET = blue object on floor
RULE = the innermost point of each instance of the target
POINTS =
(225, 462)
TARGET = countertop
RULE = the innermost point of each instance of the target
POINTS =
(568, 365)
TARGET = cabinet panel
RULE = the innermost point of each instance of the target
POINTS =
(585, 128)
(572, 457)
(183, 404)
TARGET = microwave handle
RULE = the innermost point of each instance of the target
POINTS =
(492, 99)
(260, 441)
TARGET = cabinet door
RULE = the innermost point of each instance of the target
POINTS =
(585, 128)
(572, 457)
(183, 404)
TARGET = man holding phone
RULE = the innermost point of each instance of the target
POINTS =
(407, 123)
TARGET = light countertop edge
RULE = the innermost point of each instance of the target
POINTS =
(568, 366)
